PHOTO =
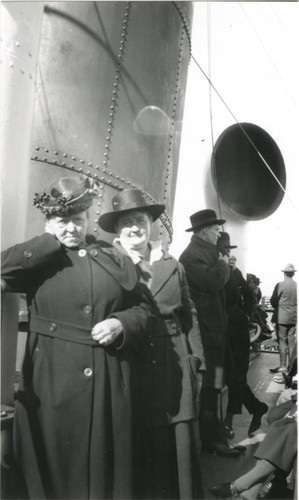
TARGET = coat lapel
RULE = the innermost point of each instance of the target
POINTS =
(117, 265)
(163, 270)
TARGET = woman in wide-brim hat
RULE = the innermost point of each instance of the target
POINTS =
(170, 371)
(74, 415)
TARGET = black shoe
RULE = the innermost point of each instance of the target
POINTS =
(274, 370)
(222, 491)
(228, 432)
(234, 446)
(220, 448)
(239, 447)
(257, 418)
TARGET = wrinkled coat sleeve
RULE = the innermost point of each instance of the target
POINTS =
(136, 317)
(189, 319)
(19, 260)
(204, 278)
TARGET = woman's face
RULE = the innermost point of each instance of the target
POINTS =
(70, 231)
(133, 229)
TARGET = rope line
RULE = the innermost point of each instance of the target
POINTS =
(243, 130)
(210, 100)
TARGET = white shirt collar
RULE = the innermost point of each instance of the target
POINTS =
(155, 246)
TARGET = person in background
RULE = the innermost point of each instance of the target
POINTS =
(207, 273)
(276, 454)
(239, 304)
(74, 419)
(259, 316)
(254, 285)
(173, 365)
(284, 302)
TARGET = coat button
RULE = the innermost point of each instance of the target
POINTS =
(93, 252)
(88, 372)
(154, 362)
(87, 309)
(52, 327)
(151, 344)
(27, 254)
(82, 252)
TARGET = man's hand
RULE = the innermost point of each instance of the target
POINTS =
(107, 331)
(223, 257)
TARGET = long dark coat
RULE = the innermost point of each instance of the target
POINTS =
(170, 369)
(73, 422)
(173, 352)
(239, 302)
(206, 276)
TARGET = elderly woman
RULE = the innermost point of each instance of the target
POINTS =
(87, 314)
(173, 363)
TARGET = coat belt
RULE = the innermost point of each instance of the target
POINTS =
(62, 330)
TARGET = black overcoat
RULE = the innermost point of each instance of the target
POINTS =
(74, 420)
(170, 373)
(239, 303)
(206, 276)
(173, 351)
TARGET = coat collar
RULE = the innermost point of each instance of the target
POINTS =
(155, 246)
(163, 270)
(163, 263)
(197, 240)
(119, 266)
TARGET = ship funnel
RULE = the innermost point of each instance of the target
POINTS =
(248, 171)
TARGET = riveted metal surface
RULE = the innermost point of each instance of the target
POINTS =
(109, 100)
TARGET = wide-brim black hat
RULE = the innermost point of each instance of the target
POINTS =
(204, 218)
(224, 241)
(126, 201)
(67, 196)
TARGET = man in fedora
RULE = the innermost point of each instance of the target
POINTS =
(207, 272)
(284, 301)
(239, 306)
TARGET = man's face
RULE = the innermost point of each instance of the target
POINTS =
(70, 231)
(232, 261)
(212, 233)
(225, 250)
(134, 229)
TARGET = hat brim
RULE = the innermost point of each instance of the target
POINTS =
(108, 221)
(210, 223)
(292, 271)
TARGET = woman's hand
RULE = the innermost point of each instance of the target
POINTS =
(107, 331)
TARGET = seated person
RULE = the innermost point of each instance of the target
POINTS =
(275, 454)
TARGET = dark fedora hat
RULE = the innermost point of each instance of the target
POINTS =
(204, 218)
(224, 241)
(126, 201)
(67, 196)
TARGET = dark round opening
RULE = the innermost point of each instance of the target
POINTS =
(242, 180)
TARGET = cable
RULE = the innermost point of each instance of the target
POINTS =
(210, 100)
(243, 130)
